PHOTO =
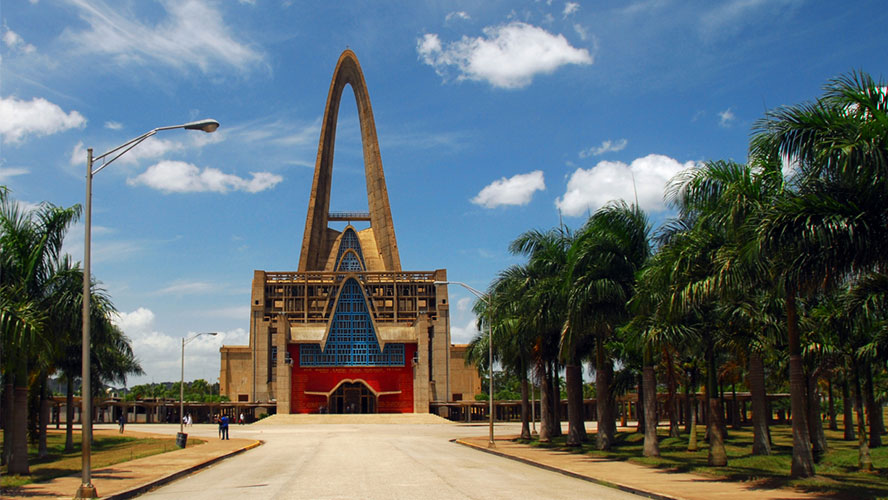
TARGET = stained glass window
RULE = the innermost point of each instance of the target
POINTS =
(352, 341)
(349, 241)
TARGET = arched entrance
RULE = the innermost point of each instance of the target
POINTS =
(352, 397)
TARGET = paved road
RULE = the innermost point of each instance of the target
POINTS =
(372, 461)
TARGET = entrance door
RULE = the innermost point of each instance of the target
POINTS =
(352, 397)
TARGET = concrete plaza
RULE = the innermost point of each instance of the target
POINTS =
(382, 456)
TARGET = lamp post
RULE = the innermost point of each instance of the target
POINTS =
(486, 298)
(182, 380)
(86, 489)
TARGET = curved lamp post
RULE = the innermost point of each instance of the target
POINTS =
(87, 490)
(182, 382)
(486, 298)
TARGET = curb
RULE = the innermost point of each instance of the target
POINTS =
(617, 486)
(138, 490)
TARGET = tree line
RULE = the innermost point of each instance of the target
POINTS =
(197, 390)
(41, 310)
(779, 262)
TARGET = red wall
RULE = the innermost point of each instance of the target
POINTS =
(379, 378)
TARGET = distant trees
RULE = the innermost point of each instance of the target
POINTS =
(198, 390)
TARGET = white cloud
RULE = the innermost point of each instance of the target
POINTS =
(188, 288)
(160, 353)
(461, 15)
(507, 56)
(581, 30)
(35, 117)
(645, 178)
(570, 8)
(191, 34)
(464, 334)
(8, 173)
(729, 16)
(181, 177)
(149, 149)
(14, 41)
(607, 146)
(463, 304)
(726, 118)
(113, 125)
(516, 190)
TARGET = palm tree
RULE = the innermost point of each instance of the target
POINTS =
(835, 221)
(516, 338)
(606, 254)
(29, 243)
(545, 301)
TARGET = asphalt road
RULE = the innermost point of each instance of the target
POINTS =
(371, 461)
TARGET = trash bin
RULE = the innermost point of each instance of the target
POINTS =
(181, 438)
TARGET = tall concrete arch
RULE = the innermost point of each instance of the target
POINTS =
(316, 240)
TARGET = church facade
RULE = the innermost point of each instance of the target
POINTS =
(349, 331)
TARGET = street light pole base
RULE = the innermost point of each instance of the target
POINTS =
(86, 491)
(491, 444)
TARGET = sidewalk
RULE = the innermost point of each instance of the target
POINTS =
(128, 479)
(634, 478)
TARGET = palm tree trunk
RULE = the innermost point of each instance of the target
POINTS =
(735, 407)
(69, 415)
(576, 431)
(815, 423)
(833, 421)
(761, 445)
(692, 411)
(651, 446)
(802, 459)
(847, 412)
(545, 402)
(8, 396)
(43, 423)
(639, 427)
(692, 433)
(864, 461)
(525, 407)
(718, 457)
(672, 402)
(555, 387)
(18, 460)
(872, 409)
(605, 437)
(688, 404)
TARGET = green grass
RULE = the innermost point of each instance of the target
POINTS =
(836, 470)
(106, 450)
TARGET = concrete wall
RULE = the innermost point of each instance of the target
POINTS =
(465, 382)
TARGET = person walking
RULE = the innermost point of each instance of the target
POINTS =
(241, 421)
(121, 420)
(225, 427)
(219, 421)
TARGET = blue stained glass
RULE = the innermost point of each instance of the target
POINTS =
(350, 263)
(349, 241)
(352, 341)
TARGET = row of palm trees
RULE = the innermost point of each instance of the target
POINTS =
(41, 293)
(759, 266)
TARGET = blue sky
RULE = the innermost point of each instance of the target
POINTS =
(493, 118)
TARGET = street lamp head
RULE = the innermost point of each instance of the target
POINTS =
(441, 282)
(208, 125)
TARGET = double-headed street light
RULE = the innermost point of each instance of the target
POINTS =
(182, 382)
(486, 298)
(87, 490)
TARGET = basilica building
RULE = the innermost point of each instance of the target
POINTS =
(349, 331)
